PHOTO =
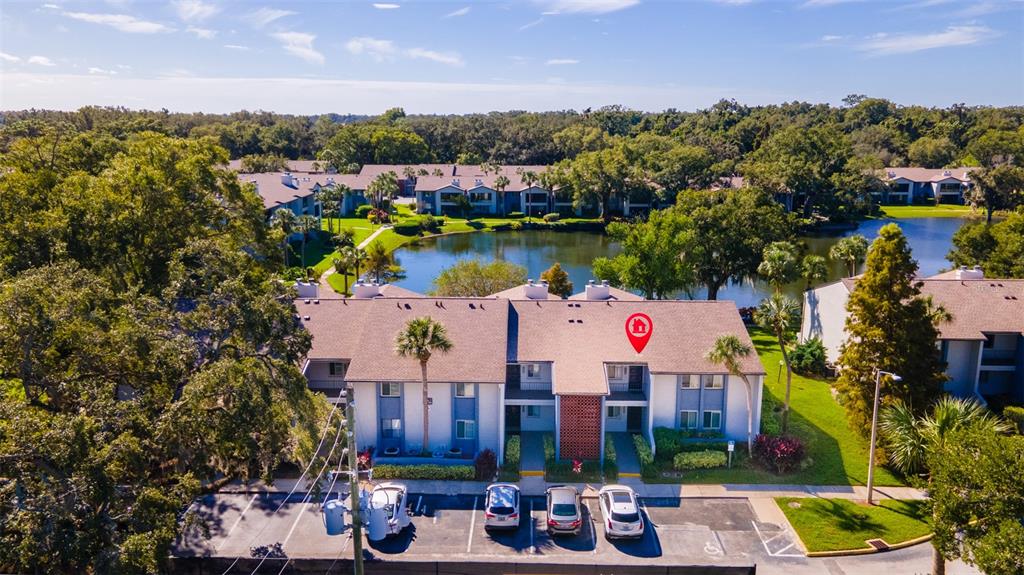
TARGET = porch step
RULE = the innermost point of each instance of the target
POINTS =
(629, 475)
(532, 473)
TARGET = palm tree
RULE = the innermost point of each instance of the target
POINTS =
(500, 183)
(349, 259)
(378, 260)
(305, 224)
(778, 265)
(851, 250)
(383, 187)
(814, 269)
(346, 237)
(283, 219)
(909, 438)
(728, 350)
(779, 314)
(421, 338)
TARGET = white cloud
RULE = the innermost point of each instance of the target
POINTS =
(122, 22)
(881, 44)
(101, 71)
(204, 33)
(449, 58)
(456, 13)
(9, 57)
(529, 25)
(561, 62)
(300, 44)
(812, 3)
(264, 16)
(831, 38)
(41, 61)
(236, 47)
(51, 6)
(195, 10)
(586, 6)
(383, 6)
(374, 47)
(733, 2)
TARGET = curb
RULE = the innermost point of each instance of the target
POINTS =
(871, 550)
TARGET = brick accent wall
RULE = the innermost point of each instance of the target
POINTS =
(580, 426)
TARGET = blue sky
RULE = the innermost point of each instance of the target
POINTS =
(441, 57)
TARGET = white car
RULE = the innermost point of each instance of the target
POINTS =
(621, 512)
(389, 499)
(501, 506)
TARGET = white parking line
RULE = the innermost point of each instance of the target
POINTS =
(472, 523)
(437, 513)
(418, 503)
(764, 542)
(227, 534)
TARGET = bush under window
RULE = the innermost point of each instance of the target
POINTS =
(779, 453)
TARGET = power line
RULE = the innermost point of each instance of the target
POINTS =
(323, 437)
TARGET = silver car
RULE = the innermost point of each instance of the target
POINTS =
(621, 512)
(501, 506)
(564, 513)
(389, 500)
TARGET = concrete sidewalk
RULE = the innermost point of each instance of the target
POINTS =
(537, 486)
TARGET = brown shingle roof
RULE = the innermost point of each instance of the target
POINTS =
(580, 337)
(928, 174)
(374, 170)
(274, 191)
(433, 183)
(364, 331)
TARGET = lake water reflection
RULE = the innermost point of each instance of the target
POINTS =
(929, 238)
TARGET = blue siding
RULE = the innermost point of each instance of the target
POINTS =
(389, 408)
(464, 408)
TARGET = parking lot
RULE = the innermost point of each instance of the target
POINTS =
(708, 531)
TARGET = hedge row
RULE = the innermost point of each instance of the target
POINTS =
(1015, 414)
(611, 459)
(430, 471)
(706, 459)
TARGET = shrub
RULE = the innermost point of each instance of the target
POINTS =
(667, 441)
(442, 472)
(363, 211)
(516, 226)
(778, 453)
(690, 446)
(293, 273)
(771, 415)
(549, 448)
(808, 358)
(611, 462)
(516, 215)
(407, 228)
(643, 450)
(429, 223)
(486, 465)
(1015, 414)
(705, 459)
(552, 217)
(561, 471)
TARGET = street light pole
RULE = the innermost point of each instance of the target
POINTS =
(874, 429)
(353, 466)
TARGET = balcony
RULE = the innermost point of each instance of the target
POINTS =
(527, 392)
(998, 358)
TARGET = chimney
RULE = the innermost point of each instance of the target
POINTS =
(597, 291)
(536, 290)
(365, 290)
(307, 290)
(289, 180)
(965, 273)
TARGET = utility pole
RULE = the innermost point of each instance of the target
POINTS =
(353, 465)
(874, 429)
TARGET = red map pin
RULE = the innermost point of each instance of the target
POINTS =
(638, 328)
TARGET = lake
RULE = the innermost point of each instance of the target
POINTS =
(929, 238)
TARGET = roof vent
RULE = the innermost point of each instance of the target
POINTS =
(365, 290)
(597, 292)
(305, 317)
(947, 173)
(891, 174)
(535, 290)
(965, 273)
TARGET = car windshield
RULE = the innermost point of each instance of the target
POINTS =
(625, 517)
(563, 509)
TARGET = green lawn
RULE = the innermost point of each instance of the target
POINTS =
(939, 211)
(836, 455)
(839, 524)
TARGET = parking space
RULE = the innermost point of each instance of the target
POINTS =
(451, 528)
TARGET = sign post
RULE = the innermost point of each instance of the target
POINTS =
(732, 447)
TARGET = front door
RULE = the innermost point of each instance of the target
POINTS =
(512, 418)
(634, 418)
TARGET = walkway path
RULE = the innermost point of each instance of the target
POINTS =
(362, 245)
(531, 452)
(625, 455)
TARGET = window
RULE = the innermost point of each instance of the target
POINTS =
(465, 429)
(391, 428)
(337, 369)
(479, 196)
(990, 341)
(390, 390)
(537, 198)
(712, 420)
(687, 419)
(616, 372)
(614, 411)
(713, 381)
(532, 410)
(531, 370)
(688, 382)
(465, 390)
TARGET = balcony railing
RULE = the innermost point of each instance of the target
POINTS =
(999, 357)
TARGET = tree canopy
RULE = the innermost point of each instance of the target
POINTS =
(998, 248)
(475, 278)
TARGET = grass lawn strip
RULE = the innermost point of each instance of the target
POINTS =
(939, 211)
(841, 524)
